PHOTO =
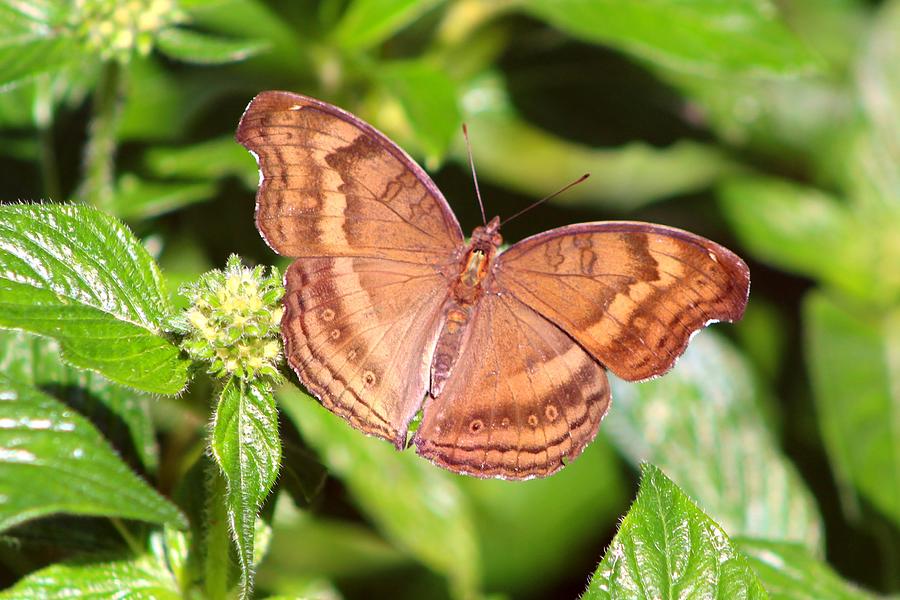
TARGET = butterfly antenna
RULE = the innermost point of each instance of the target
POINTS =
(474, 176)
(544, 199)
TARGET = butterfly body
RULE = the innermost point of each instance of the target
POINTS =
(386, 303)
(467, 290)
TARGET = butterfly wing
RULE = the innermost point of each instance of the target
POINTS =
(629, 293)
(332, 185)
(522, 400)
(375, 243)
(360, 333)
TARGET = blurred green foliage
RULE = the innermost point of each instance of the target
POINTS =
(772, 127)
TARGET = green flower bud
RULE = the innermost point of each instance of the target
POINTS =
(233, 321)
(117, 29)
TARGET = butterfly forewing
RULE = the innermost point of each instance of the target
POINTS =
(630, 293)
(523, 399)
(331, 185)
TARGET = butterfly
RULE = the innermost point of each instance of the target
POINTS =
(389, 310)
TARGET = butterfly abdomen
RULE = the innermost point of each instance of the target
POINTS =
(465, 293)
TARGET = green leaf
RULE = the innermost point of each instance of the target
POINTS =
(784, 224)
(592, 487)
(246, 445)
(303, 476)
(53, 460)
(875, 163)
(121, 414)
(140, 578)
(366, 23)
(338, 549)
(429, 99)
(30, 43)
(694, 36)
(23, 59)
(854, 361)
(518, 155)
(418, 507)
(220, 562)
(213, 159)
(666, 547)
(205, 49)
(790, 572)
(701, 423)
(75, 274)
(140, 199)
(158, 106)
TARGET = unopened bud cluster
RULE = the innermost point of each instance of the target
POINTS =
(116, 29)
(233, 323)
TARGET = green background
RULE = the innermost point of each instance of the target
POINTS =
(770, 127)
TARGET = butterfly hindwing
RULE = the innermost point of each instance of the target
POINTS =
(358, 332)
(630, 293)
(523, 399)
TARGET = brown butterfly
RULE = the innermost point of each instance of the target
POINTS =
(387, 303)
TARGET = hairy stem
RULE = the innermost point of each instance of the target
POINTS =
(217, 565)
(97, 185)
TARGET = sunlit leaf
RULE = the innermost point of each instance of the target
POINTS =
(416, 505)
(158, 106)
(53, 460)
(137, 198)
(790, 572)
(332, 548)
(667, 547)
(697, 36)
(369, 22)
(26, 59)
(875, 162)
(203, 48)
(142, 578)
(212, 159)
(122, 415)
(75, 274)
(784, 224)
(701, 423)
(518, 155)
(429, 99)
(246, 446)
(591, 487)
(31, 40)
(854, 361)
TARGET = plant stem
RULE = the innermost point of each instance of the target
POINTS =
(217, 565)
(43, 116)
(133, 544)
(97, 183)
(49, 171)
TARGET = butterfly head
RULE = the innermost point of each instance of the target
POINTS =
(487, 236)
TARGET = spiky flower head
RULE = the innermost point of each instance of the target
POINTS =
(117, 29)
(233, 322)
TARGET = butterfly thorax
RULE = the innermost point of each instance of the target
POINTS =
(466, 291)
